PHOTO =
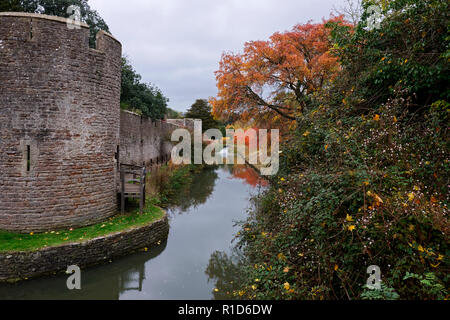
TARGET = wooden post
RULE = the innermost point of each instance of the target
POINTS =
(145, 183)
(142, 195)
(122, 193)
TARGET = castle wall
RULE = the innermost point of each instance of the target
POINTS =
(144, 142)
(59, 124)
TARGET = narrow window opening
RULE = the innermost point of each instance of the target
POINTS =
(31, 29)
(28, 158)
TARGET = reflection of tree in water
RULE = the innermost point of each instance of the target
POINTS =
(225, 271)
(197, 192)
(248, 174)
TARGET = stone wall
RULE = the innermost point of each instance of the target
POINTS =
(59, 124)
(20, 265)
(187, 123)
(144, 142)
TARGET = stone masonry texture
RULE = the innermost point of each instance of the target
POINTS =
(62, 133)
(21, 265)
(144, 142)
(59, 124)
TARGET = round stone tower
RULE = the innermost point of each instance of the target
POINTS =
(59, 123)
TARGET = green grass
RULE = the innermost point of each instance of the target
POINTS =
(10, 242)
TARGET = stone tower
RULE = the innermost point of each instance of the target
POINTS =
(59, 123)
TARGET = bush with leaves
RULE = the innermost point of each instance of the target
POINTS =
(364, 179)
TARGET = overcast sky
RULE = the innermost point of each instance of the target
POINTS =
(177, 44)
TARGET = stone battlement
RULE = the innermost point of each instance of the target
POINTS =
(59, 123)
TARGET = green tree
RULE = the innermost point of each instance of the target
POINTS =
(202, 110)
(173, 114)
(10, 5)
(407, 53)
(363, 179)
(143, 98)
(59, 8)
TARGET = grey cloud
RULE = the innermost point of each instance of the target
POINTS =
(177, 44)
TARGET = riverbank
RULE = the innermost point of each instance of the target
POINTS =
(30, 256)
(202, 221)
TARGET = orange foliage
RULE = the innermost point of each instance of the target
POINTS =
(274, 76)
(249, 175)
(247, 137)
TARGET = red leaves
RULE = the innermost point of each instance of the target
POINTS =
(296, 61)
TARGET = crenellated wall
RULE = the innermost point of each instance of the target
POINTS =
(144, 142)
(59, 124)
(62, 133)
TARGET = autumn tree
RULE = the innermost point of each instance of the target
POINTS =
(277, 75)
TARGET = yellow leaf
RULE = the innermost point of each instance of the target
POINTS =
(281, 256)
(351, 228)
(411, 196)
(349, 218)
(377, 198)
(336, 267)
(307, 133)
(287, 286)
(435, 265)
(376, 117)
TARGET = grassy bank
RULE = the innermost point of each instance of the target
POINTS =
(29, 242)
(166, 184)
(163, 187)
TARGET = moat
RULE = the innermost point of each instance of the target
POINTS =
(201, 223)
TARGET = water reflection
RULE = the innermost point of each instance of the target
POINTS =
(177, 269)
(197, 193)
(248, 175)
(106, 282)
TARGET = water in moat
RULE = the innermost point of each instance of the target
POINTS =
(202, 223)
